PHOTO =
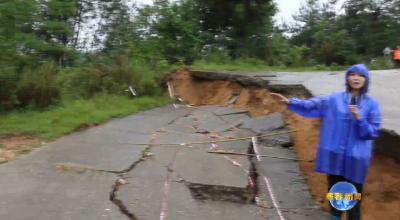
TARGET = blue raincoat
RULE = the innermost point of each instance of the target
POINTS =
(345, 146)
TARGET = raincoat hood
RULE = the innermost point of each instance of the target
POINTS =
(362, 70)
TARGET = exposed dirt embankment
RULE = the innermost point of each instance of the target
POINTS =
(381, 197)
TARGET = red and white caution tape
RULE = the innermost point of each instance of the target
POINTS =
(213, 146)
(164, 204)
(170, 90)
(171, 93)
(255, 148)
(132, 91)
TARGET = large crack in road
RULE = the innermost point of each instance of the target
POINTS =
(121, 181)
(198, 191)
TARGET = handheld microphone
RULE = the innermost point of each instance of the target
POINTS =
(353, 100)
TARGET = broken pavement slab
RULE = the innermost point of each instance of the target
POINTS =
(39, 191)
(283, 140)
(217, 119)
(194, 164)
(264, 123)
(186, 207)
(220, 111)
(237, 118)
(143, 195)
(198, 166)
(213, 123)
(147, 202)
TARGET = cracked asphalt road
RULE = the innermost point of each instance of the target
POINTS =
(101, 174)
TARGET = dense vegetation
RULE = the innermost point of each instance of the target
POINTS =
(55, 51)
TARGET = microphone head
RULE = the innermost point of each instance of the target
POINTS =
(353, 100)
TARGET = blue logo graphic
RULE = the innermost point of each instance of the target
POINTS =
(343, 196)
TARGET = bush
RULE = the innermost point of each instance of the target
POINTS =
(8, 84)
(116, 73)
(146, 80)
(80, 82)
(39, 87)
(102, 74)
(149, 87)
(215, 56)
(381, 63)
(112, 76)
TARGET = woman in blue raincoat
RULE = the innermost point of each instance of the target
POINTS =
(350, 121)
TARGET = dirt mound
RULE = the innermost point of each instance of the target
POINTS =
(381, 197)
(219, 92)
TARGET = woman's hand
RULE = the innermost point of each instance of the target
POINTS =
(280, 98)
(354, 111)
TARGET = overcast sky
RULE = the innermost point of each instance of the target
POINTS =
(286, 8)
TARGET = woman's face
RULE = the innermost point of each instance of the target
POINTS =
(356, 81)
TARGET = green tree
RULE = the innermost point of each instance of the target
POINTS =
(391, 14)
(319, 28)
(244, 27)
(171, 30)
(55, 29)
(17, 19)
(85, 12)
(306, 19)
(332, 45)
(119, 29)
(16, 28)
(365, 23)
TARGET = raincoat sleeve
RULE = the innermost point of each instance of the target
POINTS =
(310, 108)
(368, 127)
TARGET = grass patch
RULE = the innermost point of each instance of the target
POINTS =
(72, 115)
(259, 66)
(254, 65)
(231, 66)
